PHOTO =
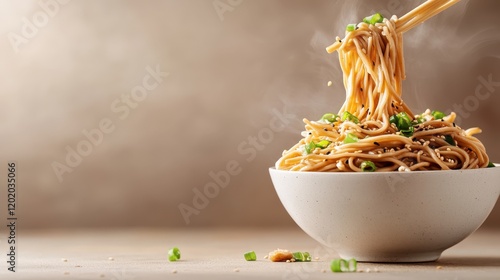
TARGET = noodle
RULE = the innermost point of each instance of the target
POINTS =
(375, 130)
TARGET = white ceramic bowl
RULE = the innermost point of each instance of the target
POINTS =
(389, 216)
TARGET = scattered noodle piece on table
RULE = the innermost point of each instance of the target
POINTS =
(280, 255)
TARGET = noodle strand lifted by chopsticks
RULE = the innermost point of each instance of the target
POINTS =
(369, 133)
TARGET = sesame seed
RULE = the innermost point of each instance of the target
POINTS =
(330, 83)
(266, 256)
(316, 258)
(236, 270)
(439, 267)
(64, 260)
(174, 271)
(323, 270)
(287, 261)
(448, 149)
(368, 270)
(111, 258)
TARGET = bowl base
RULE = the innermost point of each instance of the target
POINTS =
(393, 257)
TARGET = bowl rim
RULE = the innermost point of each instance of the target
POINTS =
(433, 172)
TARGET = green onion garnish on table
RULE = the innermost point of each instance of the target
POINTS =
(250, 256)
(174, 254)
(491, 164)
(302, 256)
(341, 265)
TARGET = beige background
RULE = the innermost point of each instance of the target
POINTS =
(228, 73)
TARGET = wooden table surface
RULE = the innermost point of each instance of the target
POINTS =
(218, 254)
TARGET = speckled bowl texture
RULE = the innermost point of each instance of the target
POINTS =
(389, 216)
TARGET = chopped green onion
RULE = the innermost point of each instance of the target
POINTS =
(408, 132)
(323, 144)
(350, 138)
(250, 256)
(351, 27)
(437, 115)
(368, 166)
(419, 119)
(350, 117)
(307, 256)
(404, 123)
(341, 265)
(310, 147)
(330, 117)
(375, 18)
(174, 254)
(491, 164)
(302, 256)
(450, 140)
(394, 119)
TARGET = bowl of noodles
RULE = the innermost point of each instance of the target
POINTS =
(389, 216)
(376, 181)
